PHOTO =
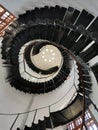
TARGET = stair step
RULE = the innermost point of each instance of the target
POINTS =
(80, 45)
(90, 53)
(75, 16)
(95, 70)
(42, 125)
(84, 18)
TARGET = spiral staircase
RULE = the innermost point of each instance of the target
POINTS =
(46, 54)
